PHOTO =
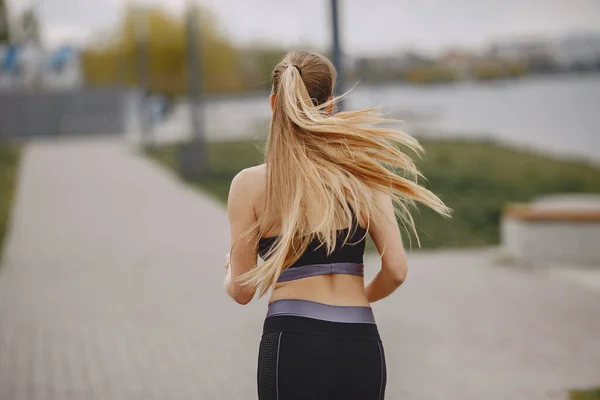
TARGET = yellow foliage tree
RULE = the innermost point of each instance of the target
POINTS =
(115, 60)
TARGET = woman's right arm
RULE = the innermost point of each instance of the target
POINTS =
(386, 235)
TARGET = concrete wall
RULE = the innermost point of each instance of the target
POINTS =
(552, 242)
(78, 112)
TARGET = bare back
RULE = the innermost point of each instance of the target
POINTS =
(334, 289)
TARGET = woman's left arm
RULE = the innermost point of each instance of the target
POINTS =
(243, 257)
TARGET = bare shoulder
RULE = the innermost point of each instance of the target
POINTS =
(248, 183)
(380, 198)
(250, 177)
(384, 207)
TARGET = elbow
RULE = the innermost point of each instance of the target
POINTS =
(240, 294)
(397, 274)
(242, 298)
(399, 278)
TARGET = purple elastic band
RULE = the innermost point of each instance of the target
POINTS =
(324, 312)
(306, 271)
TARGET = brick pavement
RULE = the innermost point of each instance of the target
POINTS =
(111, 289)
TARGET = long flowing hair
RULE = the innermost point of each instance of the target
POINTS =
(323, 169)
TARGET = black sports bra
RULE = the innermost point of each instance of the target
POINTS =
(345, 259)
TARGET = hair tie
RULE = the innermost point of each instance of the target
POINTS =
(299, 69)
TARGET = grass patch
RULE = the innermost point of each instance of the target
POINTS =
(476, 179)
(226, 159)
(9, 160)
(590, 394)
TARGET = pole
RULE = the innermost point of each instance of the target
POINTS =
(4, 27)
(142, 57)
(193, 161)
(337, 50)
(195, 75)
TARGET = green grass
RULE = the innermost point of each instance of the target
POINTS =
(226, 159)
(9, 160)
(476, 179)
(589, 394)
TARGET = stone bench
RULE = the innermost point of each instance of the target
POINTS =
(558, 229)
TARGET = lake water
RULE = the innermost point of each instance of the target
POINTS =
(557, 115)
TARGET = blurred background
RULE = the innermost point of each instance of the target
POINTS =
(503, 95)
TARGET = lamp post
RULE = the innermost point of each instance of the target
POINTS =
(142, 54)
(337, 50)
(193, 163)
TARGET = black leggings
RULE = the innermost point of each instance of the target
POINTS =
(304, 358)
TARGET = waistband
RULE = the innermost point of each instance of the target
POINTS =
(320, 311)
(306, 271)
(334, 330)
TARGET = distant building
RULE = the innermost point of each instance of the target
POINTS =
(30, 66)
(408, 60)
(460, 61)
(570, 53)
(63, 69)
(578, 52)
(518, 50)
(387, 67)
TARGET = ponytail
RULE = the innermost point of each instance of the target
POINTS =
(323, 169)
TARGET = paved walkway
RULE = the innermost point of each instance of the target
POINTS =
(111, 288)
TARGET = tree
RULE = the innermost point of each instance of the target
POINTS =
(114, 60)
(4, 31)
(259, 62)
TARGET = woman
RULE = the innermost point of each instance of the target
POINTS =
(328, 180)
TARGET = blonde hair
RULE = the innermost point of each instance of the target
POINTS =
(324, 169)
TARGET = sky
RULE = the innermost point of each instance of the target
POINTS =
(367, 26)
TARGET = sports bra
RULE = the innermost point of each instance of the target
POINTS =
(345, 259)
